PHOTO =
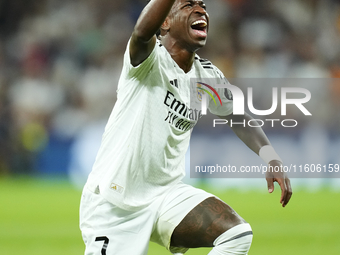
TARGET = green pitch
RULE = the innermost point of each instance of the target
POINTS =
(41, 217)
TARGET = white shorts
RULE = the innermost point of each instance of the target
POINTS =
(108, 229)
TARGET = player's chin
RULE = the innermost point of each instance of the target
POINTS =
(198, 40)
(199, 44)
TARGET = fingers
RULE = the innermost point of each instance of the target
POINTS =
(283, 187)
(284, 182)
(286, 190)
(289, 192)
(270, 184)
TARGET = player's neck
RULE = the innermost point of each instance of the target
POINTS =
(180, 55)
(184, 59)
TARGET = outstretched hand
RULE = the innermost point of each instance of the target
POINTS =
(276, 174)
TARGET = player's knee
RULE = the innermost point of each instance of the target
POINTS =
(236, 240)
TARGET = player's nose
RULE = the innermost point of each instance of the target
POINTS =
(199, 9)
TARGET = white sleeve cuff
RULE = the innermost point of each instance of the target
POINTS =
(267, 153)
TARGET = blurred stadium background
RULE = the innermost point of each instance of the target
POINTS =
(60, 62)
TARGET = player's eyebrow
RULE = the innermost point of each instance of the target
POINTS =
(193, 1)
(200, 2)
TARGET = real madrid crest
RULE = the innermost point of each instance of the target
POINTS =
(200, 92)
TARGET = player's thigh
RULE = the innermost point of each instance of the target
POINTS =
(176, 204)
(204, 223)
(107, 229)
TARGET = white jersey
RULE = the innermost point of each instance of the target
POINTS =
(146, 138)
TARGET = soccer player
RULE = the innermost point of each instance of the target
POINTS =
(134, 193)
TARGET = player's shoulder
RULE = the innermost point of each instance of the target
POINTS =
(209, 67)
(205, 63)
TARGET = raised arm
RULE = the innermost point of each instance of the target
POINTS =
(143, 37)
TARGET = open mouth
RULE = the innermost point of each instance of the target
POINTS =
(200, 27)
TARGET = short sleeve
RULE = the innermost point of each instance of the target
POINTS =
(143, 68)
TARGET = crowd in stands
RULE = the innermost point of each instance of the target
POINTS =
(60, 62)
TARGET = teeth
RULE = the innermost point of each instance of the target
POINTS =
(199, 22)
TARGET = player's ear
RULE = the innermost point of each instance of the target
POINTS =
(166, 25)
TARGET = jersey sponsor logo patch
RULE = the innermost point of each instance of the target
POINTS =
(117, 188)
(180, 115)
